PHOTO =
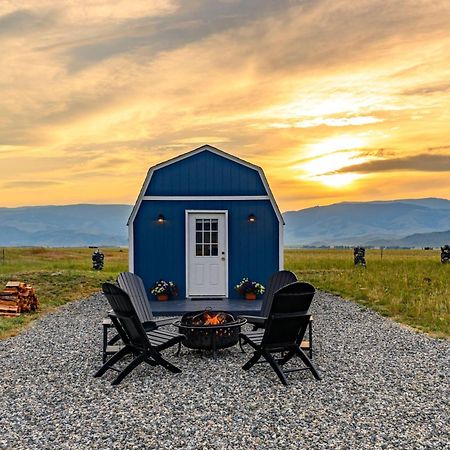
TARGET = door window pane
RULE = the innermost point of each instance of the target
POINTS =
(207, 237)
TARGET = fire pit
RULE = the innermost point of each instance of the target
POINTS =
(210, 330)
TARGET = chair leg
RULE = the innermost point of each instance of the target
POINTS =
(286, 357)
(179, 349)
(111, 361)
(311, 339)
(114, 339)
(150, 362)
(133, 364)
(277, 369)
(308, 363)
(105, 342)
(166, 364)
(241, 345)
(252, 361)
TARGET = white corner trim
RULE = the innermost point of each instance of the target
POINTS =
(281, 246)
(131, 248)
(186, 252)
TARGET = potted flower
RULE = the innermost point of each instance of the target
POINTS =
(164, 289)
(249, 289)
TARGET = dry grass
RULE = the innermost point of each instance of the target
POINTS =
(58, 275)
(410, 286)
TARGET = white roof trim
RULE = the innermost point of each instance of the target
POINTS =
(192, 153)
(204, 197)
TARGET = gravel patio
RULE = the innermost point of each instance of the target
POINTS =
(384, 387)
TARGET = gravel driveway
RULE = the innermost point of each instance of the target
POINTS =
(384, 387)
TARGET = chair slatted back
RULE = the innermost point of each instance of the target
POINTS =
(132, 331)
(275, 283)
(133, 285)
(289, 316)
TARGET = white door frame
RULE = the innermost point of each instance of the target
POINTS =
(186, 246)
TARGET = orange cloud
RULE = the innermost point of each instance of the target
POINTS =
(101, 90)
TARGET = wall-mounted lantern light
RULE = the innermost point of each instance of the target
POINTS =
(251, 218)
(161, 219)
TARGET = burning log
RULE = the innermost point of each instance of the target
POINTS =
(445, 254)
(17, 297)
(208, 318)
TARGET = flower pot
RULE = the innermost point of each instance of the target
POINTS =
(250, 296)
(162, 297)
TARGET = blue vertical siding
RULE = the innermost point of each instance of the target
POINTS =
(206, 173)
(159, 249)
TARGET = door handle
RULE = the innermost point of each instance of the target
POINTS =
(223, 258)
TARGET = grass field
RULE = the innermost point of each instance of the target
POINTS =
(58, 275)
(410, 286)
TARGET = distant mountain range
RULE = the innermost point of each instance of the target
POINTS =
(403, 223)
(64, 226)
(436, 239)
(408, 222)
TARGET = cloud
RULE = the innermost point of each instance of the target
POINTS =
(439, 148)
(428, 90)
(422, 163)
(189, 22)
(328, 121)
(24, 22)
(31, 184)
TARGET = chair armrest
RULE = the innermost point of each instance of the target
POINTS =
(154, 324)
(257, 320)
(162, 322)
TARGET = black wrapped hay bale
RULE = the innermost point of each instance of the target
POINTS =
(359, 256)
(445, 254)
(98, 259)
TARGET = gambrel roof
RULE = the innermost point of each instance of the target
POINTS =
(216, 151)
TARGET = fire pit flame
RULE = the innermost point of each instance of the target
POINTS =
(208, 318)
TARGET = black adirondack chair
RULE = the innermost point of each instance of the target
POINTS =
(285, 328)
(145, 347)
(133, 285)
(276, 282)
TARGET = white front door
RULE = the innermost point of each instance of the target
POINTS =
(207, 254)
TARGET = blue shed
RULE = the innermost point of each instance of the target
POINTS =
(205, 220)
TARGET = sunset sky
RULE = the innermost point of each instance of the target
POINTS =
(337, 100)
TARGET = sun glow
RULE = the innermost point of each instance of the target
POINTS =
(337, 180)
(327, 156)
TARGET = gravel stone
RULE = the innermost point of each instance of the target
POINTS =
(384, 386)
